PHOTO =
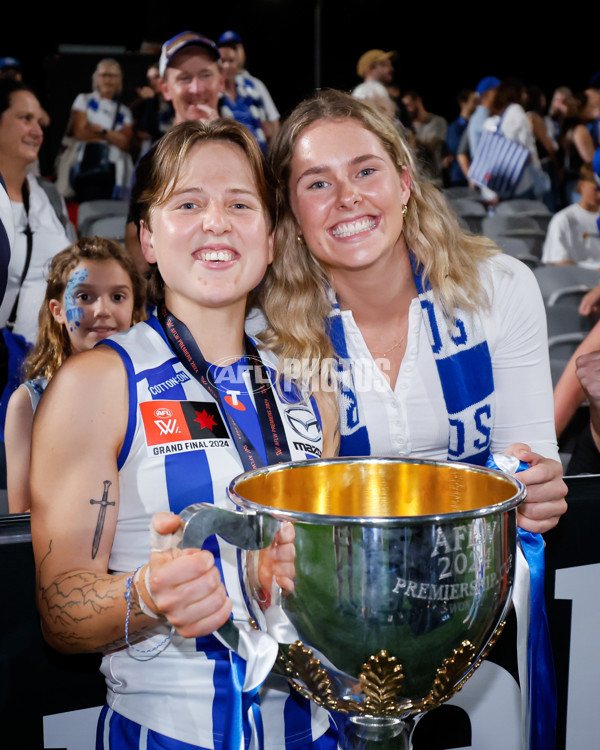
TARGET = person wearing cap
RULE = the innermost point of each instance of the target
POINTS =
(10, 67)
(271, 124)
(485, 90)
(192, 76)
(376, 65)
(241, 101)
(191, 79)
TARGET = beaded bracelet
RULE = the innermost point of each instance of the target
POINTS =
(149, 653)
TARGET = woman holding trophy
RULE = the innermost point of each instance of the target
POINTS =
(440, 339)
(150, 422)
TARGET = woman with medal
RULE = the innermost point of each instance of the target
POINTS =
(440, 339)
(149, 422)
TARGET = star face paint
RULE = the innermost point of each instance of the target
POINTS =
(73, 312)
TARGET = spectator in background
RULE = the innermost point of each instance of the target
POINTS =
(152, 114)
(271, 124)
(593, 94)
(241, 100)
(102, 125)
(560, 102)
(534, 103)
(576, 146)
(41, 229)
(430, 131)
(376, 94)
(192, 81)
(572, 236)
(10, 67)
(192, 76)
(508, 117)
(486, 90)
(467, 101)
(377, 65)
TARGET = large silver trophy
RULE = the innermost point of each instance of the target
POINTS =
(404, 575)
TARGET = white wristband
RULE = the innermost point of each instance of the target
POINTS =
(143, 606)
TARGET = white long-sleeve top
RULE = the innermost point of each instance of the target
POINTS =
(411, 420)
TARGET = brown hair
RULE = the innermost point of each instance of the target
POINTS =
(53, 345)
(158, 172)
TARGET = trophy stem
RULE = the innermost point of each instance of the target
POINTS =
(374, 733)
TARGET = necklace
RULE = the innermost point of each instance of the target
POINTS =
(391, 349)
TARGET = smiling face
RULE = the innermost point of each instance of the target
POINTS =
(211, 238)
(192, 81)
(97, 302)
(347, 195)
(21, 133)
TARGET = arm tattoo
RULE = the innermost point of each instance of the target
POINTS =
(101, 517)
(70, 604)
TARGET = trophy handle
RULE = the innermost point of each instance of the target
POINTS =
(248, 531)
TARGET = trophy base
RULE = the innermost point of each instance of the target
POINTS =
(374, 732)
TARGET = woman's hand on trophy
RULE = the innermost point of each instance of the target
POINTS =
(277, 560)
(546, 491)
(184, 586)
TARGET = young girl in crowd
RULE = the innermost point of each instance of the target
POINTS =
(93, 291)
(140, 431)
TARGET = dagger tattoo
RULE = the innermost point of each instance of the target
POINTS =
(101, 516)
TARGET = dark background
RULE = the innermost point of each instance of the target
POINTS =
(295, 45)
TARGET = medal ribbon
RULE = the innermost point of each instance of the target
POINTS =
(269, 419)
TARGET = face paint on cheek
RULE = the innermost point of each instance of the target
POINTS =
(73, 312)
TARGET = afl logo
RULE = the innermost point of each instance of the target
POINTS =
(160, 413)
(304, 423)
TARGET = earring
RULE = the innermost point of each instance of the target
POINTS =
(404, 209)
(300, 238)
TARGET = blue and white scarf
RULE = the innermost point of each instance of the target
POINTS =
(464, 366)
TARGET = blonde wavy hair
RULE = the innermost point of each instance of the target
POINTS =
(53, 346)
(296, 293)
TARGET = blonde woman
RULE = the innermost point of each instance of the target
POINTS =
(446, 336)
(440, 339)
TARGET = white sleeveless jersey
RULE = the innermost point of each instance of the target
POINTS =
(178, 451)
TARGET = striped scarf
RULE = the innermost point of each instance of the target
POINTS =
(464, 367)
